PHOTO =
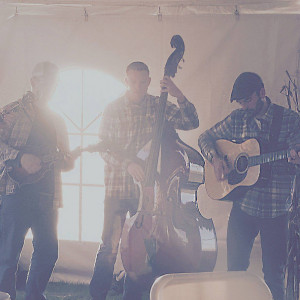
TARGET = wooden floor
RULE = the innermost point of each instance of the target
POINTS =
(76, 260)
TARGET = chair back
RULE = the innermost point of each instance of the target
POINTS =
(4, 296)
(236, 285)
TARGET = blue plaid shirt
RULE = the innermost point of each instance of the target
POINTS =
(273, 198)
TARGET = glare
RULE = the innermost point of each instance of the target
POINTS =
(80, 99)
(82, 94)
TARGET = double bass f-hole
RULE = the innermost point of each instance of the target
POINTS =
(138, 224)
(146, 208)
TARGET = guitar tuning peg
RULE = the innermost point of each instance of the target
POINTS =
(180, 67)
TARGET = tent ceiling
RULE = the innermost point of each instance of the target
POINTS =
(167, 7)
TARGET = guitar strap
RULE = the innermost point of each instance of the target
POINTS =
(276, 126)
(265, 169)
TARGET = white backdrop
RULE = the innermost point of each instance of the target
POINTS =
(219, 46)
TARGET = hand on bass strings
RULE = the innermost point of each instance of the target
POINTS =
(295, 155)
(30, 163)
(167, 85)
(136, 171)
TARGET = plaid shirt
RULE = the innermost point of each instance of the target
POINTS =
(274, 198)
(127, 127)
(14, 135)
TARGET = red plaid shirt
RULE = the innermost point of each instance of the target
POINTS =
(14, 135)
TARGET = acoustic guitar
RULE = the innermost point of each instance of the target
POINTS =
(244, 162)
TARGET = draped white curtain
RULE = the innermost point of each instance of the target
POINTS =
(218, 48)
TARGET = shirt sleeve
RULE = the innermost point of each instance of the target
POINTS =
(107, 134)
(6, 151)
(184, 116)
(294, 136)
(222, 130)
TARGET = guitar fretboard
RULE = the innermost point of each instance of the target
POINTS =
(267, 157)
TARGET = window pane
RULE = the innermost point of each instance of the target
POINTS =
(92, 213)
(93, 128)
(73, 176)
(93, 165)
(68, 221)
(98, 90)
(68, 98)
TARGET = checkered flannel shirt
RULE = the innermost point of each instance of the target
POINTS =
(127, 127)
(274, 198)
(13, 137)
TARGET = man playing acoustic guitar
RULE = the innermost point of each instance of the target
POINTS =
(263, 207)
(34, 149)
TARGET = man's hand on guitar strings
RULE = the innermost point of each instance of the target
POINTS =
(75, 153)
(220, 167)
(31, 163)
(295, 155)
(68, 158)
(136, 171)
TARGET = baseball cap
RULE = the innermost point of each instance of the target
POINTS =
(45, 68)
(244, 86)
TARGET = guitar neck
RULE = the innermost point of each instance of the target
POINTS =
(268, 157)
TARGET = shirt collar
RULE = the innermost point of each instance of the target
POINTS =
(143, 102)
(268, 114)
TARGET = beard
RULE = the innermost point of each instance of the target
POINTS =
(258, 107)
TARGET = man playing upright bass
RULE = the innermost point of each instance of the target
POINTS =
(126, 127)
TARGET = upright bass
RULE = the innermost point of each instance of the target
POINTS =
(168, 234)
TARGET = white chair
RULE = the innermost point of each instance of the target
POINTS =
(4, 296)
(210, 286)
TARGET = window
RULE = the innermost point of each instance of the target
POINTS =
(80, 98)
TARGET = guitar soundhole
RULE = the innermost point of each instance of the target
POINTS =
(241, 163)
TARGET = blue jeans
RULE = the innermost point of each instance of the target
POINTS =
(114, 217)
(242, 230)
(19, 213)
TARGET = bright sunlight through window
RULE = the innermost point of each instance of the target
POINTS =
(80, 98)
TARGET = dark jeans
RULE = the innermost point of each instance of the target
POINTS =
(114, 217)
(18, 213)
(242, 230)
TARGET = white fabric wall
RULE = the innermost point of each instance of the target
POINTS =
(218, 48)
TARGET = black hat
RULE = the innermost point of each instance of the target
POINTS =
(245, 85)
